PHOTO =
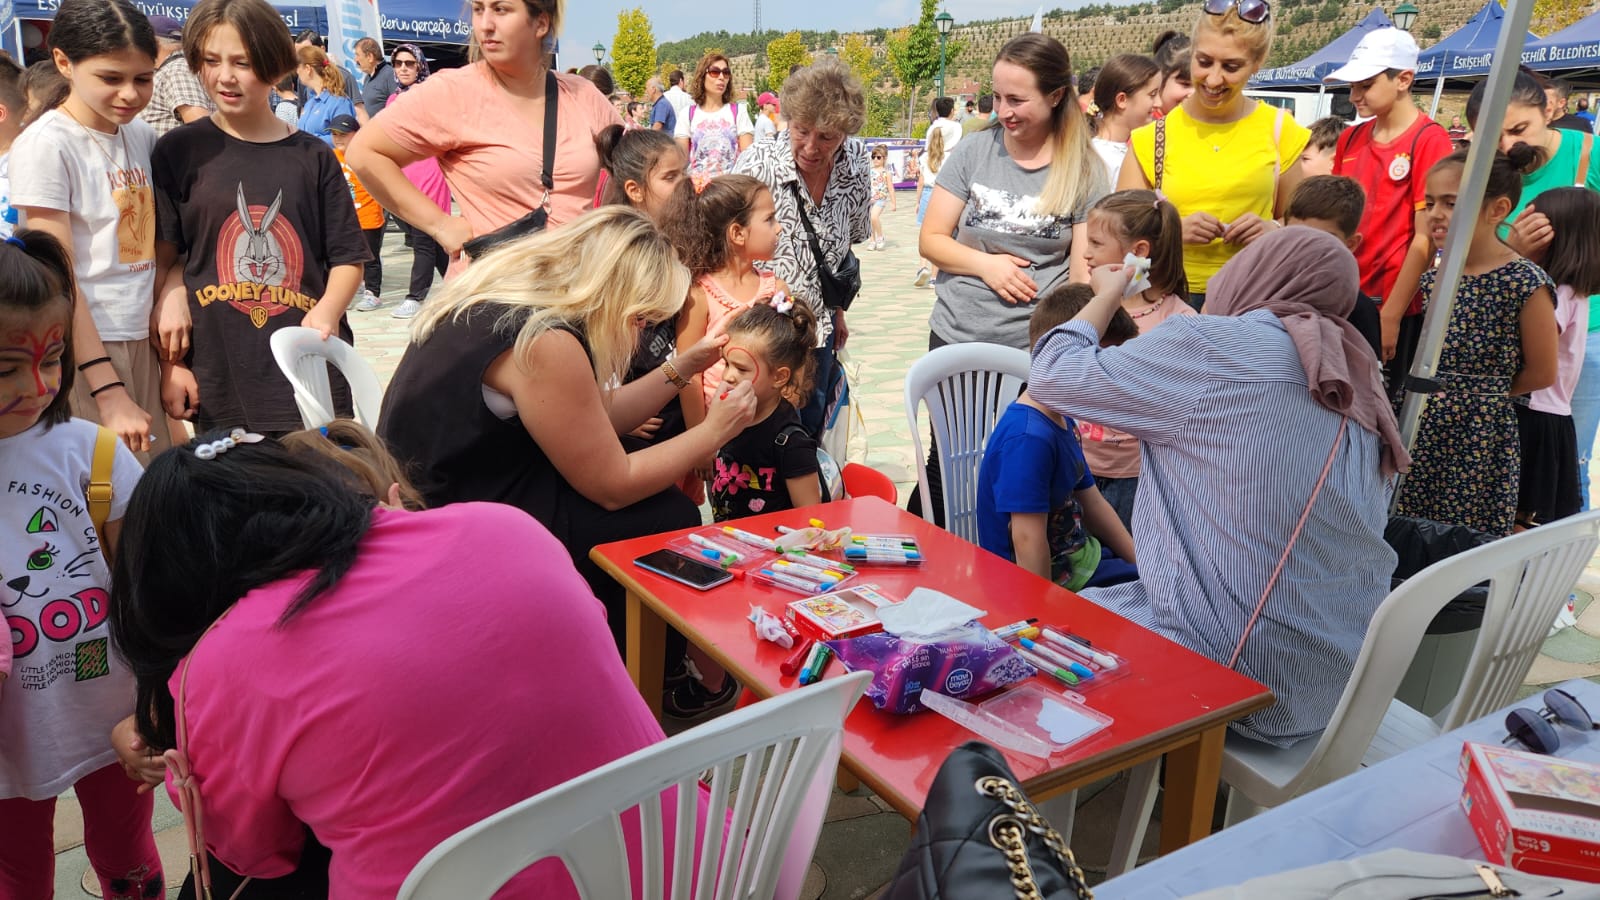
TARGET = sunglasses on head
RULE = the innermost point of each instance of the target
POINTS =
(1253, 11)
(1533, 729)
(719, 71)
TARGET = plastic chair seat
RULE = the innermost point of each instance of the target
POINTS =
(304, 356)
(1402, 728)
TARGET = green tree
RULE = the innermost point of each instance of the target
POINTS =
(784, 53)
(633, 51)
(914, 56)
(856, 53)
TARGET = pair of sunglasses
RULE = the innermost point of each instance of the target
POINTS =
(717, 71)
(1253, 11)
(1535, 729)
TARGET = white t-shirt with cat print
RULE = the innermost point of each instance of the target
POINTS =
(103, 182)
(67, 686)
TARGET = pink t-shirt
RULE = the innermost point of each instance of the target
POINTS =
(491, 153)
(460, 666)
(427, 177)
(1112, 453)
(1572, 317)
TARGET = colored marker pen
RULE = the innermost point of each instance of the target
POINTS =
(793, 582)
(1082, 648)
(805, 571)
(798, 658)
(813, 661)
(717, 557)
(814, 671)
(745, 537)
(1076, 668)
(1007, 632)
(1049, 668)
(709, 544)
(820, 560)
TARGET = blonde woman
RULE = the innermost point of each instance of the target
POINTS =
(1006, 221)
(1230, 162)
(927, 176)
(511, 390)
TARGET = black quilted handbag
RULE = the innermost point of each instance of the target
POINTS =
(978, 835)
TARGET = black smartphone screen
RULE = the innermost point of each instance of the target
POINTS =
(680, 568)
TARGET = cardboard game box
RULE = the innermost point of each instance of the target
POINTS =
(846, 612)
(1536, 814)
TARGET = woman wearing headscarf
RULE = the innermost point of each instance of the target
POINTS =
(410, 70)
(1268, 444)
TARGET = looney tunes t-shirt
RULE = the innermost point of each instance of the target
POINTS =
(261, 225)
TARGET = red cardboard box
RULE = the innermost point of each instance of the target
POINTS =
(1536, 814)
(846, 612)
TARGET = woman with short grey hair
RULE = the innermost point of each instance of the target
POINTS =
(821, 185)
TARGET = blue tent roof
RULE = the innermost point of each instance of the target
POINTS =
(417, 21)
(1575, 47)
(1312, 69)
(1468, 50)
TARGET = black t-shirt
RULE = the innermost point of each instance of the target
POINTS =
(752, 470)
(1365, 318)
(250, 273)
(657, 344)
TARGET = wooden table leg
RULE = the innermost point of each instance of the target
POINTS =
(1193, 773)
(646, 643)
(846, 780)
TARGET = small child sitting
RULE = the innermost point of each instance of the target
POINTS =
(1333, 204)
(1037, 502)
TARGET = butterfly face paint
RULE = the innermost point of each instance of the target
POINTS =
(30, 370)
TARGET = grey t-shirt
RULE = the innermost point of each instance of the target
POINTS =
(999, 217)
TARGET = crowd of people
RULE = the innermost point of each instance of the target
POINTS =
(642, 308)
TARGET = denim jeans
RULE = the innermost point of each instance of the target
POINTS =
(1119, 492)
(1586, 411)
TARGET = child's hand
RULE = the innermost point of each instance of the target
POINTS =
(1007, 276)
(180, 392)
(323, 318)
(119, 413)
(171, 324)
(139, 762)
(648, 430)
(701, 356)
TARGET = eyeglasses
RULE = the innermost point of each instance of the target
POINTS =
(718, 72)
(405, 64)
(1534, 729)
(1253, 11)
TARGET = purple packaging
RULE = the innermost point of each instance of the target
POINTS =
(968, 661)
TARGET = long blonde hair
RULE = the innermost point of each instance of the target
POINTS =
(1073, 177)
(597, 275)
(935, 150)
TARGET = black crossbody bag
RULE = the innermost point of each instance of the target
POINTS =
(839, 285)
(534, 221)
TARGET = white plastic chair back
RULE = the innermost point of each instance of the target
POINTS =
(966, 387)
(789, 747)
(1529, 574)
(304, 357)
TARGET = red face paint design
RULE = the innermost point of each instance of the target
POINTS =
(30, 371)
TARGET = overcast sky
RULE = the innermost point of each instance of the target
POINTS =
(589, 21)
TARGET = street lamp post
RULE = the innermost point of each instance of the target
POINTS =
(1405, 15)
(944, 22)
(599, 52)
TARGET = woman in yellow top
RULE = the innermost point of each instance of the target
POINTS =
(1229, 163)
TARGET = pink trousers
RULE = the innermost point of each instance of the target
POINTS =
(116, 834)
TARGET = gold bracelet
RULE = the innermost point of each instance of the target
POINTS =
(673, 378)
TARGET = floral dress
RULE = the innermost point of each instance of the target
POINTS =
(1467, 463)
(882, 186)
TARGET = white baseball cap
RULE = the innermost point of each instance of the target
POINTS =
(1382, 49)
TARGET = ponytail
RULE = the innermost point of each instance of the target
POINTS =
(629, 156)
(1148, 216)
(331, 75)
(36, 270)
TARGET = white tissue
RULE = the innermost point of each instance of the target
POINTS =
(926, 613)
(1141, 274)
(770, 628)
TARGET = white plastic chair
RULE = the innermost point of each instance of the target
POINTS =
(304, 357)
(789, 747)
(966, 387)
(1530, 575)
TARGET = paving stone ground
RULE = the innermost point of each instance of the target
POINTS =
(862, 840)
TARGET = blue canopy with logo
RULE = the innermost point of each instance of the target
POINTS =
(1311, 70)
(1467, 51)
(1575, 47)
(414, 21)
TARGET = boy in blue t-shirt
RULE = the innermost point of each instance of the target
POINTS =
(1037, 502)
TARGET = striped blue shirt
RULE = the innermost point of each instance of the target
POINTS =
(1232, 444)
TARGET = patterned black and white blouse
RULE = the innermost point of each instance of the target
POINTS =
(842, 219)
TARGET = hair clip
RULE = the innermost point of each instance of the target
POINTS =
(235, 437)
(1094, 109)
(16, 242)
(782, 303)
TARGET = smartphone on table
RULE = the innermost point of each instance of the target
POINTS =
(701, 576)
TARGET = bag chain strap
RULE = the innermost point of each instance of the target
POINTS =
(1007, 832)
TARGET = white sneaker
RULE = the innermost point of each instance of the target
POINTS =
(880, 243)
(923, 274)
(367, 302)
(407, 309)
